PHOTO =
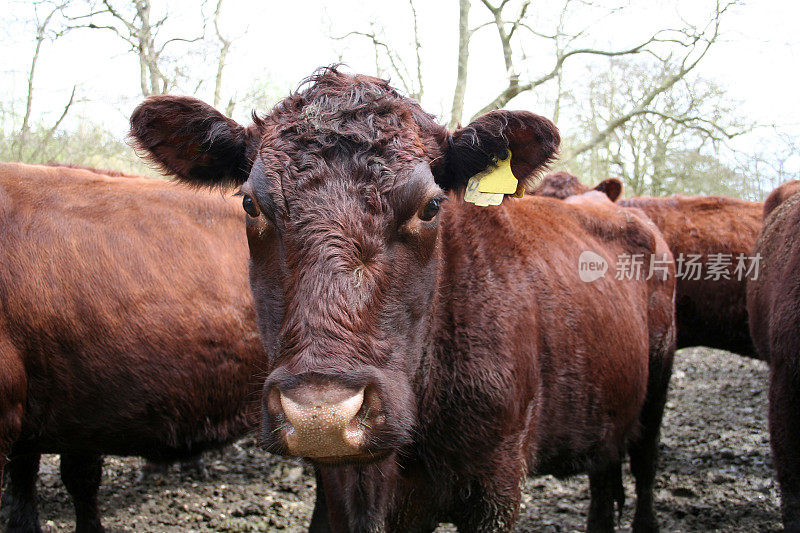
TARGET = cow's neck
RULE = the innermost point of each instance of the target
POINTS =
(449, 371)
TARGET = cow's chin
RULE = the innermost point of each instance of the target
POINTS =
(351, 460)
(275, 443)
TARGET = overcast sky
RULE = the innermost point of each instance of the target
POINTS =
(282, 42)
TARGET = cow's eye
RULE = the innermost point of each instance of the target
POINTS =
(430, 210)
(250, 206)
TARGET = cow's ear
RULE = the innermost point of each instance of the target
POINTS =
(533, 141)
(193, 141)
(612, 187)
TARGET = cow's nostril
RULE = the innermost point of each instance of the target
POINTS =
(323, 422)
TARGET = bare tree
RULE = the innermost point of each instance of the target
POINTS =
(225, 46)
(464, 36)
(654, 150)
(21, 142)
(132, 21)
(388, 61)
(772, 163)
(696, 43)
(689, 44)
(506, 31)
(417, 52)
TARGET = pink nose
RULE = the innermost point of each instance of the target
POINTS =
(323, 421)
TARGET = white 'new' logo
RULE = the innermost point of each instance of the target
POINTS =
(591, 266)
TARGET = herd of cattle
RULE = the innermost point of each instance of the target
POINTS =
(424, 353)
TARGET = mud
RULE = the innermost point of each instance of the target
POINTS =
(715, 473)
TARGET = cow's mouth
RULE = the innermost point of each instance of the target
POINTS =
(360, 459)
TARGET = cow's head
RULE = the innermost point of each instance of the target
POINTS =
(563, 185)
(346, 183)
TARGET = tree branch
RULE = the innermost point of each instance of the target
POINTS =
(49, 135)
(688, 38)
(686, 66)
(417, 50)
(708, 127)
(397, 64)
(514, 90)
(41, 28)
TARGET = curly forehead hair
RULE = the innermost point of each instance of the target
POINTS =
(336, 116)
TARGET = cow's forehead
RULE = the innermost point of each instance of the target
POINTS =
(338, 113)
(311, 161)
(360, 108)
(345, 185)
(306, 168)
(346, 132)
(387, 139)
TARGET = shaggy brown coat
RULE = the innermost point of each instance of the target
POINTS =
(773, 301)
(126, 327)
(709, 312)
(480, 353)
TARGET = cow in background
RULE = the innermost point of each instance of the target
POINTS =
(562, 185)
(773, 300)
(710, 312)
(126, 327)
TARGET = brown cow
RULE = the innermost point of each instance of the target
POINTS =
(709, 312)
(424, 352)
(126, 327)
(773, 300)
(562, 185)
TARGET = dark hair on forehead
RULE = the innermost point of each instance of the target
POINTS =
(356, 107)
(328, 80)
(349, 121)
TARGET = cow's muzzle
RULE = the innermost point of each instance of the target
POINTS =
(322, 421)
(332, 417)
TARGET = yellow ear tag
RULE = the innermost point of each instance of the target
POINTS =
(499, 179)
(482, 199)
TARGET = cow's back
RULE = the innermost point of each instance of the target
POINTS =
(709, 312)
(127, 301)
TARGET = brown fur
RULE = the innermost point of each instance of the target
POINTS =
(104, 171)
(482, 353)
(773, 301)
(780, 195)
(126, 326)
(709, 313)
(563, 185)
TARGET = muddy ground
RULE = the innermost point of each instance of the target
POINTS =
(715, 473)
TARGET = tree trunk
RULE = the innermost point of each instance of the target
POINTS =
(225, 45)
(464, 35)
